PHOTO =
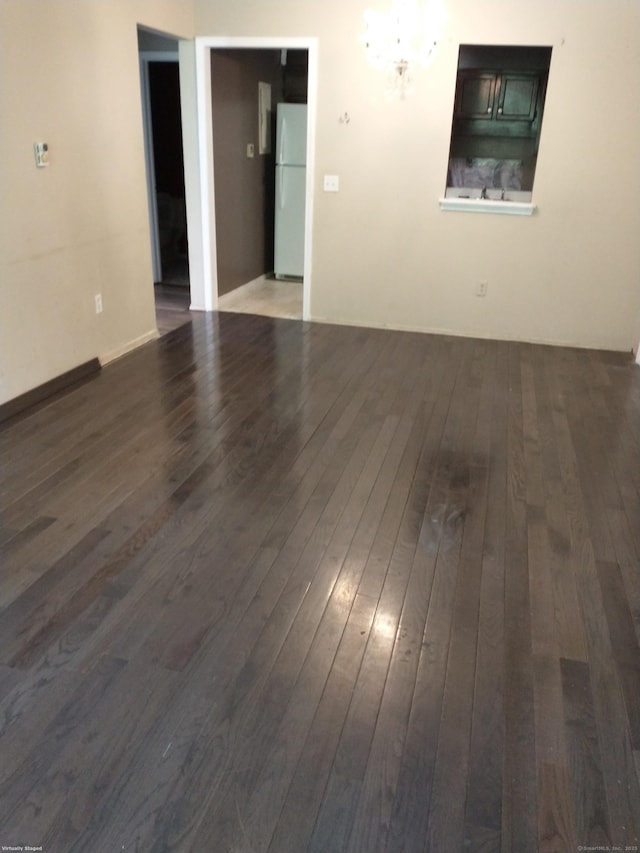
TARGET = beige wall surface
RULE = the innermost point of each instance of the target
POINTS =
(244, 186)
(383, 251)
(69, 76)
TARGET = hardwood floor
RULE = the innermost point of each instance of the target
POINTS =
(279, 586)
(172, 307)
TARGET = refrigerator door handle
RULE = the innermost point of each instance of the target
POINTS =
(283, 130)
(281, 193)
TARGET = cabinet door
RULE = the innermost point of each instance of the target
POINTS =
(517, 97)
(475, 95)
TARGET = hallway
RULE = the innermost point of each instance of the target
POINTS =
(269, 298)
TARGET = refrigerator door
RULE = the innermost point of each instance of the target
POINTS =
(289, 221)
(291, 135)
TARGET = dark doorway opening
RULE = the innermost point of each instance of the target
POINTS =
(168, 164)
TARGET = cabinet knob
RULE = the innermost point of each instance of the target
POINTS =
(499, 111)
(490, 109)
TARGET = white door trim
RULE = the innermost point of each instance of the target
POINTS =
(205, 291)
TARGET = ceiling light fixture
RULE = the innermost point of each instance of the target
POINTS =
(404, 36)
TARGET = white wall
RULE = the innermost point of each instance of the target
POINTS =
(383, 251)
(69, 76)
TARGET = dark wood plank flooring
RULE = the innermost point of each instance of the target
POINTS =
(278, 586)
(172, 306)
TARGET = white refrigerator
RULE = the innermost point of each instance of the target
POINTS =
(291, 151)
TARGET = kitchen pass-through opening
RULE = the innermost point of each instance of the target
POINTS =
(497, 121)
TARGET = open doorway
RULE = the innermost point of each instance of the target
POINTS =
(160, 86)
(203, 204)
(259, 203)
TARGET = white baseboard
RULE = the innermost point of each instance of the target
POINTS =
(130, 345)
(435, 330)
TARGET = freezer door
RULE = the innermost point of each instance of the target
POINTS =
(289, 221)
(291, 135)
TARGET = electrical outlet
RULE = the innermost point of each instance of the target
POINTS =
(481, 288)
(98, 301)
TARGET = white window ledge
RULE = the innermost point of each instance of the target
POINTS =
(488, 205)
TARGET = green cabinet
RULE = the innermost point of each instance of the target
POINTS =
(476, 95)
(498, 103)
(517, 97)
(497, 113)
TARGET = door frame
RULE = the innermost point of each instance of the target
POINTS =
(199, 177)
